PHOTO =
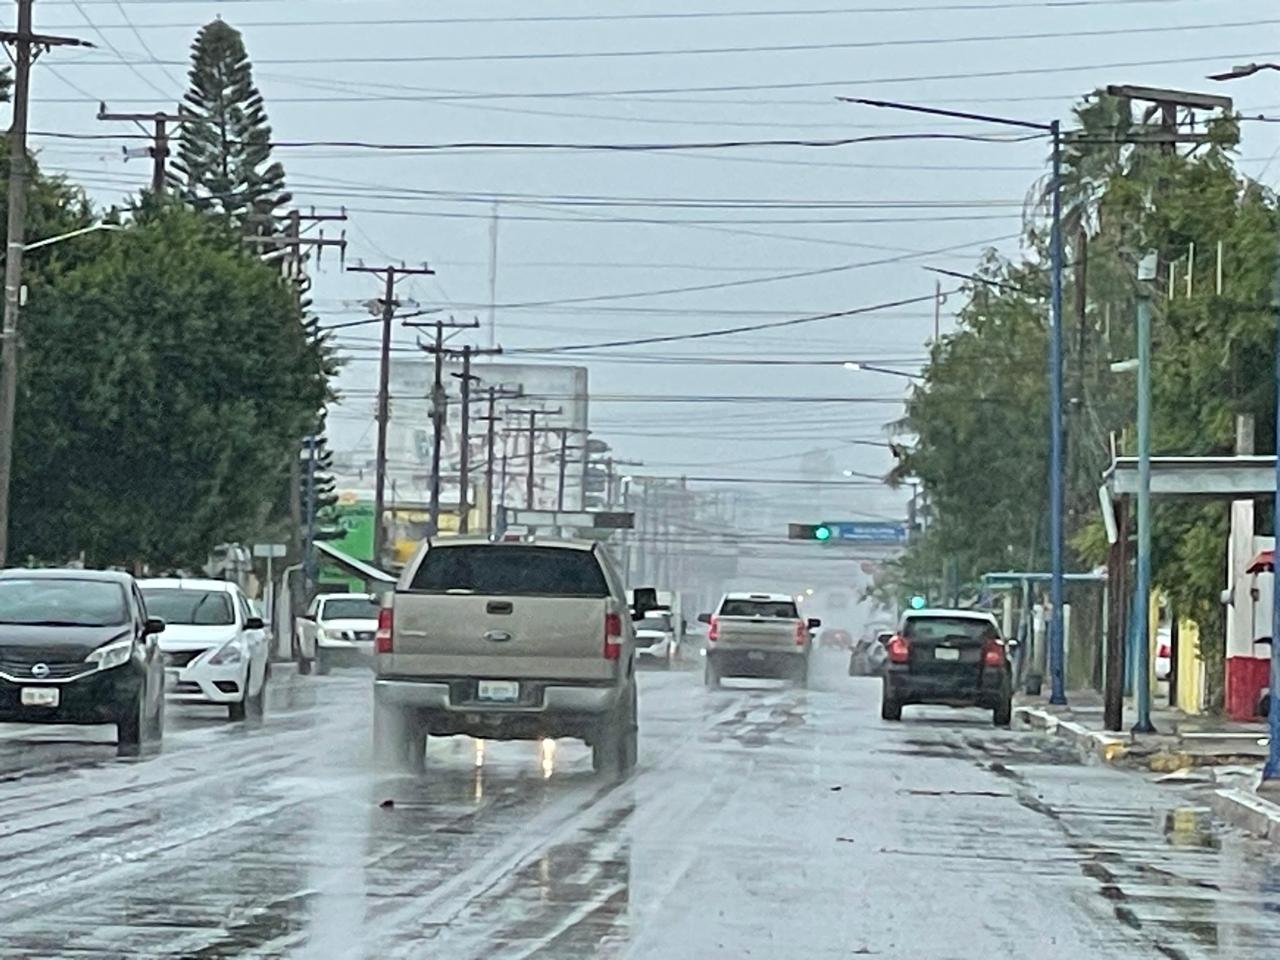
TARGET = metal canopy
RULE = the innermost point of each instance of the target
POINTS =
(1225, 477)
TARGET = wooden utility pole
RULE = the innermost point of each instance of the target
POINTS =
(390, 275)
(466, 378)
(494, 393)
(25, 46)
(532, 433)
(159, 149)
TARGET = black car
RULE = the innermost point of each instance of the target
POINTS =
(951, 657)
(76, 646)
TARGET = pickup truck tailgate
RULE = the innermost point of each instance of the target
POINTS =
(516, 638)
(757, 632)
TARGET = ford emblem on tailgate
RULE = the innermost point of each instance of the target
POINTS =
(40, 671)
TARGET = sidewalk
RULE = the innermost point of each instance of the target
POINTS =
(1185, 748)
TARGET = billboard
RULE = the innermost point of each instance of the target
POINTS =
(545, 387)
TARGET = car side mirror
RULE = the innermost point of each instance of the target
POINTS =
(153, 625)
(254, 623)
(814, 623)
(704, 618)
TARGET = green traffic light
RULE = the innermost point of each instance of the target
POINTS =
(822, 533)
(917, 603)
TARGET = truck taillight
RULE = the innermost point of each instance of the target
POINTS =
(382, 639)
(802, 633)
(899, 649)
(713, 630)
(612, 636)
(993, 654)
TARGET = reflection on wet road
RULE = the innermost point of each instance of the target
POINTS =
(762, 822)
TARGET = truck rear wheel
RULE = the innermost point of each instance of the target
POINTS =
(397, 744)
(616, 745)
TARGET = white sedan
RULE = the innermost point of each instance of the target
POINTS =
(215, 648)
(656, 640)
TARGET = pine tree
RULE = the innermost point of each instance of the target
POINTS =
(224, 155)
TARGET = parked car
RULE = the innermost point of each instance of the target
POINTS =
(956, 658)
(656, 639)
(77, 647)
(215, 649)
(1164, 653)
(507, 641)
(758, 635)
(337, 628)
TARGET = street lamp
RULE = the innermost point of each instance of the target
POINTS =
(9, 375)
(1058, 694)
(1271, 770)
(873, 368)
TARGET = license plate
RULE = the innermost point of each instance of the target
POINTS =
(945, 653)
(498, 691)
(755, 655)
(40, 696)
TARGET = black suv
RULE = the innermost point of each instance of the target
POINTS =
(76, 646)
(951, 657)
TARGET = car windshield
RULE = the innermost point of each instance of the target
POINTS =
(511, 570)
(72, 602)
(654, 623)
(782, 609)
(940, 628)
(349, 608)
(190, 606)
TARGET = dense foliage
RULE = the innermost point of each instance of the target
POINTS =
(980, 416)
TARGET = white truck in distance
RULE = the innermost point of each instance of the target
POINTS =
(337, 628)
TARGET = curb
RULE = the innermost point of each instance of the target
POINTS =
(1109, 748)
(1249, 812)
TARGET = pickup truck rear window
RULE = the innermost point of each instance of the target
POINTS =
(507, 571)
(782, 609)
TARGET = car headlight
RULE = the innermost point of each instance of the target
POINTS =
(229, 653)
(113, 654)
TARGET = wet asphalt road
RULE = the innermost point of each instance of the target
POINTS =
(762, 822)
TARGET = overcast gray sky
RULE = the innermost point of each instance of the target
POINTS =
(399, 71)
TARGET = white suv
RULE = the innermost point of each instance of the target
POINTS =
(214, 646)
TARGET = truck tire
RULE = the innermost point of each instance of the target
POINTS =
(397, 745)
(615, 748)
(1002, 715)
(321, 663)
(711, 674)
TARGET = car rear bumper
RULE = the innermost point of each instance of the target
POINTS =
(986, 690)
(768, 662)
(447, 694)
(101, 697)
(442, 708)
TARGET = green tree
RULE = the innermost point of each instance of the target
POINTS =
(224, 148)
(166, 383)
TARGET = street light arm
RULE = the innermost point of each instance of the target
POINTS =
(1244, 70)
(50, 241)
(939, 112)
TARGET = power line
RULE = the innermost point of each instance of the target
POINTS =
(383, 58)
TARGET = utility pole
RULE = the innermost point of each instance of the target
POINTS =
(1142, 592)
(493, 278)
(564, 459)
(159, 149)
(26, 46)
(464, 452)
(390, 275)
(494, 393)
(439, 410)
(533, 431)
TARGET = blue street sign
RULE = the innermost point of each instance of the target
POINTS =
(867, 531)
